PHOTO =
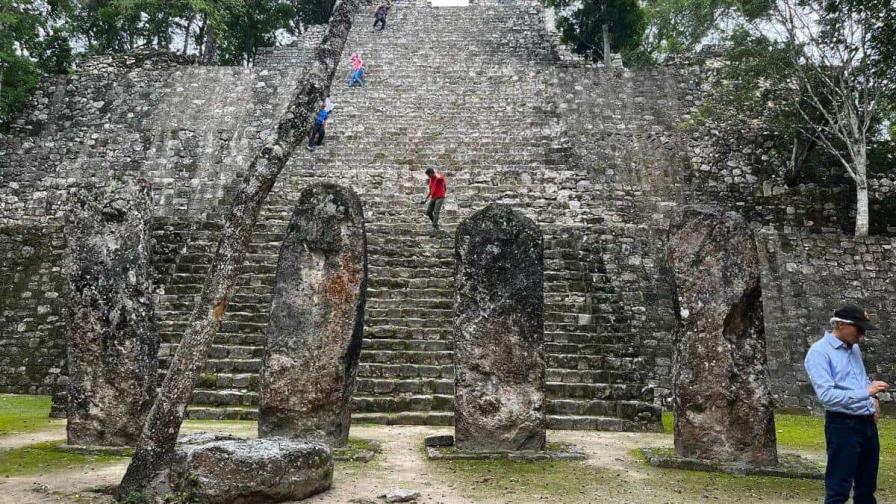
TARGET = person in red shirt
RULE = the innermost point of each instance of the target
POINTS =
(436, 197)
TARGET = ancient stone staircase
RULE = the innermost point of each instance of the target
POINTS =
(463, 89)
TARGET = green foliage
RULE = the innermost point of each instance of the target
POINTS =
(752, 86)
(679, 26)
(310, 12)
(136, 498)
(250, 25)
(20, 413)
(21, 26)
(581, 24)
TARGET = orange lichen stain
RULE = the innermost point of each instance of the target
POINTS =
(218, 310)
(339, 286)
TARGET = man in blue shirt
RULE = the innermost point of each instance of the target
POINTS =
(835, 367)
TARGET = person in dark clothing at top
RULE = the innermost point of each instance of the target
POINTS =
(320, 124)
(380, 15)
(436, 197)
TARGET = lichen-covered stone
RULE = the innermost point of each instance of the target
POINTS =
(110, 333)
(245, 471)
(499, 332)
(722, 402)
(317, 316)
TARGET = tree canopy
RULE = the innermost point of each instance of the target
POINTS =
(39, 37)
(581, 24)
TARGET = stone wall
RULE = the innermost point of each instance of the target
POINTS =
(633, 131)
(596, 156)
(186, 128)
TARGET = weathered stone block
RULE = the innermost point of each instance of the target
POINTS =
(499, 332)
(110, 332)
(247, 471)
(722, 403)
(317, 319)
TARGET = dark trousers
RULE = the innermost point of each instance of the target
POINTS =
(317, 133)
(853, 457)
(433, 211)
(380, 20)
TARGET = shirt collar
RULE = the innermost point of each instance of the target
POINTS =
(834, 341)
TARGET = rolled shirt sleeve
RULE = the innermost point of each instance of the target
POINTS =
(834, 398)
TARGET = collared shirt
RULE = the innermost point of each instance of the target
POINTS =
(838, 376)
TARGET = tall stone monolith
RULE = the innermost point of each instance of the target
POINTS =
(111, 336)
(499, 332)
(317, 319)
(722, 402)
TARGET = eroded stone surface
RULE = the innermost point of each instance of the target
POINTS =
(246, 471)
(499, 332)
(722, 402)
(317, 315)
(110, 332)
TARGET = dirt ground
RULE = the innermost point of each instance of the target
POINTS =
(618, 475)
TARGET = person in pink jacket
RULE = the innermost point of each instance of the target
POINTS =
(357, 75)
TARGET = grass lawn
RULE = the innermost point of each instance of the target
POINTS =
(45, 457)
(574, 482)
(21, 413)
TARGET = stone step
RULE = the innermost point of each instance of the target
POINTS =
(371, 345)
(411, 323)
(214, 412)
(405, 303)
(416, 358)
(598, 423)
(597, 407)
(218, 351)
(401, 403)
(225, 397)
(386, 330)
(405, 418)
(428, 315)
(597, 376)
(223, 365)
(604, 391)
(373, 386)
(593, 362)
(384, 295)
(405, 371)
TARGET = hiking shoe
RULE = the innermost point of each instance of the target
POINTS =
(310, 148)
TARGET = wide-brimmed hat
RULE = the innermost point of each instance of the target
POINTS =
(853, 315)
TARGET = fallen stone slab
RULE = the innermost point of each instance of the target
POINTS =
(221, 470)
(789, 465)
(400, 495)
(439, 440)
(442, 447)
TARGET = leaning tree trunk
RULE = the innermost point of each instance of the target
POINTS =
(160, 431)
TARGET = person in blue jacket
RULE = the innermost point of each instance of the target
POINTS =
(316, 138)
